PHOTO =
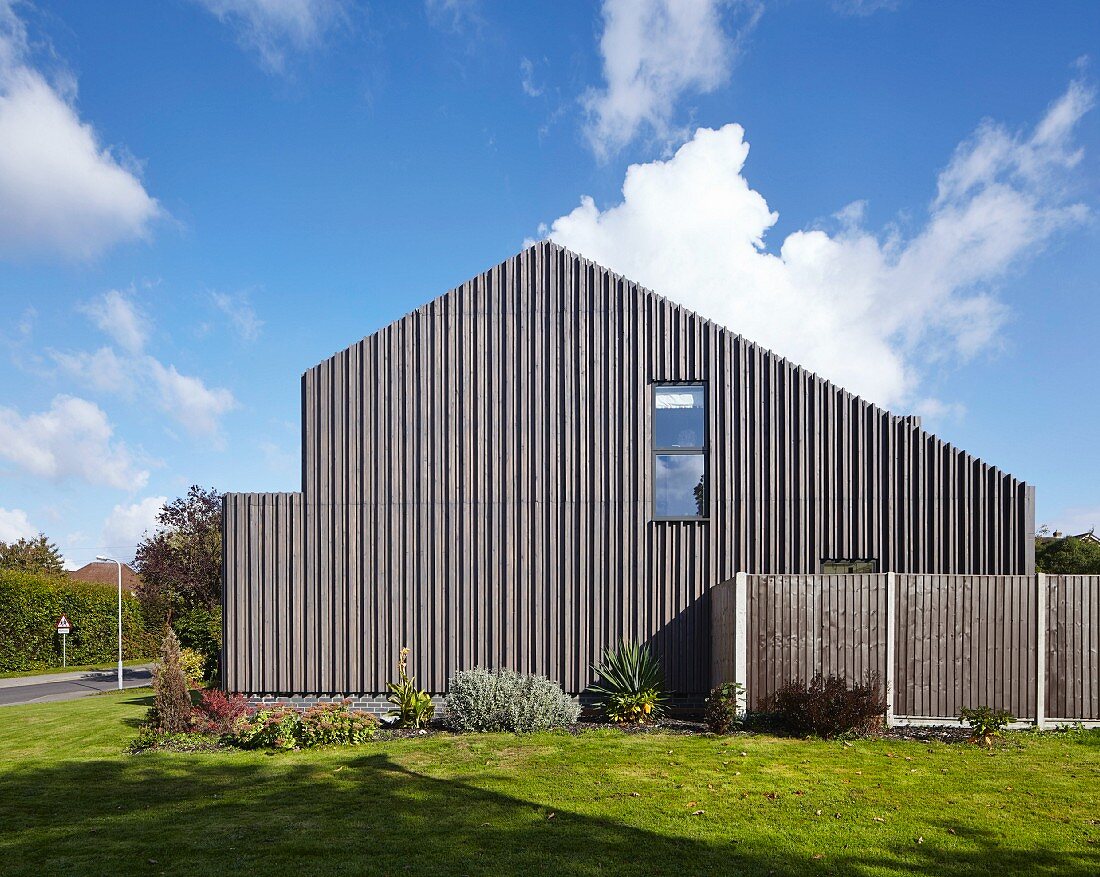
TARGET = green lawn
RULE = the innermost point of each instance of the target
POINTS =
(601, 803)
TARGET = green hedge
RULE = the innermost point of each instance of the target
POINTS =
(30, 605)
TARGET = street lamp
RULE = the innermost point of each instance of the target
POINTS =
(119, 562)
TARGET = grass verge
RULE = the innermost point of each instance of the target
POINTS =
(598, 804)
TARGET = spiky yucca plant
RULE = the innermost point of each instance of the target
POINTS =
(633, 684)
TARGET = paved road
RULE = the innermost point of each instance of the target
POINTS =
(66, 686)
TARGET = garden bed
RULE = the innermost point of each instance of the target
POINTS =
(689, 724)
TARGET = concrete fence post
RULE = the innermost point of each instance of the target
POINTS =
(741, 637)
(1040, 649)
(891, 639)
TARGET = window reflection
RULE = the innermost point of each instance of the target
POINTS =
(680, 486)
(678, 417)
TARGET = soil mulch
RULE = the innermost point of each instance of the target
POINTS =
(928, 733)
(687, 725)
(662, 725)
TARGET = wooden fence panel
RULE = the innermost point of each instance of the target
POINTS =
(799, 625)
(959, 640)
(1073, 648)
(723, 623)
(965, 641)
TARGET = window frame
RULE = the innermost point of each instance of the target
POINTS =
(849, 561)
(655, 451)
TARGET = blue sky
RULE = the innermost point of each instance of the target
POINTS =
(199, 200)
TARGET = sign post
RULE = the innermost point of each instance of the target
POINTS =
(63, 628)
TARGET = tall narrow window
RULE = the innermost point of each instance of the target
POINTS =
(679, 451)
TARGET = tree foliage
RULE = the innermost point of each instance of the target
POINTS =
(181, 562)
(1067, 556)
(37, 555)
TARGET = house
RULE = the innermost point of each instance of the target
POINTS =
(1090, 536)
(106, 574)
(549, 457)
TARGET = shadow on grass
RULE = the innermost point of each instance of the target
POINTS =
(137, 721)
(345, 813)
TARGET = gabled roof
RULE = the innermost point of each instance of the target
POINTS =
(106, 574)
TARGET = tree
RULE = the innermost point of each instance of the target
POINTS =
(32, 555)
(1067, 556)
(181, 562)
(172, 698)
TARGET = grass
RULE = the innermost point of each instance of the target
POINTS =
(599, 804)
(73, 668)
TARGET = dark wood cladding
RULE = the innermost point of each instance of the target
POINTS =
(476, 481)
(269, 618)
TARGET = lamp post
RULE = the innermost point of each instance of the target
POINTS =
(119, 563)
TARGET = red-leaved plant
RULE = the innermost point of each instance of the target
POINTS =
(219, 713)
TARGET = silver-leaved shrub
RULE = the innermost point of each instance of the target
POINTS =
(503, 700)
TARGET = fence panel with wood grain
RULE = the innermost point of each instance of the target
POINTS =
(1073, 648)
(939, 643)
(799, 625)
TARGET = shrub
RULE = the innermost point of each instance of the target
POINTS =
(723, 711)
(633, 683)
(31, 603)
(193, 665)
(333, 724)
(413, 708)
(281, 726)
(219, 714)
(827, 707)
(503, 700)
(226, 719)
(274, 727)
(172, 699)
(200, 629)
(986, 723)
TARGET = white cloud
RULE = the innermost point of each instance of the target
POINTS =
(454, 15)
(14, 525)
(937, 411)
(278, 460)
(60, 190)
(527, 78)
(242, 316)
(185, 398)
(654, 52)
(275, 29)
(864, 8)
(72, 439)
(860, 308)
(104, 370)
(119, 317)
(188, 399)
(126, 524)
